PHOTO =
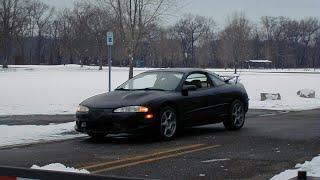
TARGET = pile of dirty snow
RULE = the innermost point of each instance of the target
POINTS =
(311, 167)
(60, 167)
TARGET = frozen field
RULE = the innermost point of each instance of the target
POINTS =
(59, 89)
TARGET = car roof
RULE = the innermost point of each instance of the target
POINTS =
(181, 70)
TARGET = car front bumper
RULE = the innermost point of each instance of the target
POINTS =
(106, 121)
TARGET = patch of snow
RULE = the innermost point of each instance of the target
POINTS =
(26, 134)
(260, 61)
(311, 167)
(60, 167)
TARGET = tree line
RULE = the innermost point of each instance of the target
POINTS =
(32, 32)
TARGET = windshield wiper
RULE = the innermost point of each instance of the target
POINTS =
(143, 89)
(149, 89)
(123, 89)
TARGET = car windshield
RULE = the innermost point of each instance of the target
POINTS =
(163, 81)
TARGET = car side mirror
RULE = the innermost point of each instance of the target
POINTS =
(187, 88)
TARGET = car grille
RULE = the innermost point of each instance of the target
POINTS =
(100, 112)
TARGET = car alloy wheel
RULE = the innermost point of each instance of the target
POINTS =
(238, 114)
(168, 125)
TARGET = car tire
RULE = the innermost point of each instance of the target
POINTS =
(97, 135)
(168, 128)
(236, 117)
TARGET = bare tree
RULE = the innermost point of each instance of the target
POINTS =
(133, 18)
(64, 25)
(308, 29)
(269, 28)
(11, 12)
(99, 23)
(189, 30)
(76, 30)
(235, 39)
(41, 15)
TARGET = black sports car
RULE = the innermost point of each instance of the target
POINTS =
(165, 101)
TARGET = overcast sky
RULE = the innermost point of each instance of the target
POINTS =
(220, 9)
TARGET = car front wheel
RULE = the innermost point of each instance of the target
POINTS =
(236, 118)
(168, 123)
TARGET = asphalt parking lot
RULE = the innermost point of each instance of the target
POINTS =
(270, 142)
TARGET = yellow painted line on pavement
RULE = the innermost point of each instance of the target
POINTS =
(140, 157)
(113, 165)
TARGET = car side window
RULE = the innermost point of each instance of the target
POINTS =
(216, 81)
(199, 80)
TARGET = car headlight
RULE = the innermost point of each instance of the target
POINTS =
(82, 109)
(130, 109)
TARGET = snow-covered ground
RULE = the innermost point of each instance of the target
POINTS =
(287, 84)
(51, 89)
(59, 89)
(311, 167)
(25, 134)
(60, 167)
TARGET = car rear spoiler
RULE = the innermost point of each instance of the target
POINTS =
(227, 79)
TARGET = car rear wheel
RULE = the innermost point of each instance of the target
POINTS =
(236, 118)
(97, 135)
(168, 123)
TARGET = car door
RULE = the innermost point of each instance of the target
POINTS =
(195, 105)
(219, 99)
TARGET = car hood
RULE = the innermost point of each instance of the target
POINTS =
(118, 99)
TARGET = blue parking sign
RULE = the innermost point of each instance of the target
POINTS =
(110, 38)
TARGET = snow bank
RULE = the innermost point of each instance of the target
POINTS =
(25, 134)
(60, 167)
(59, 89)
(311, 167)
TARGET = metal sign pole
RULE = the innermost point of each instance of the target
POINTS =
(110, 62)
(110, 44)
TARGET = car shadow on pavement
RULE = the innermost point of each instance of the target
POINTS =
(147, 138)
(202, 130)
